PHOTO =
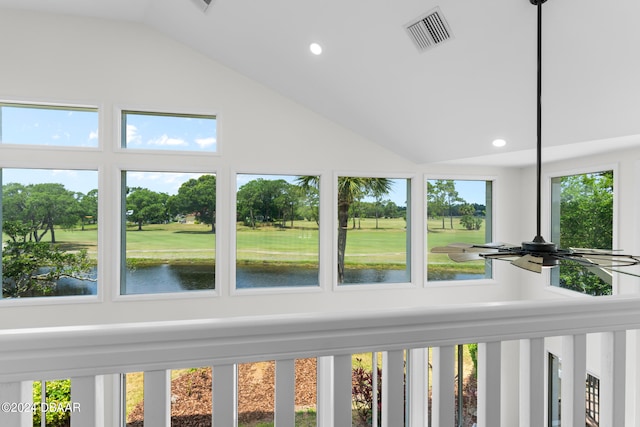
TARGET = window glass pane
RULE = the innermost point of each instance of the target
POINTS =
(49, 232)
(168, 233)
(458, 211)
(156, 131)
(554, 385)
(277, 231)
(582, 217)
(593, 400)
(373, 243)
(47, 125)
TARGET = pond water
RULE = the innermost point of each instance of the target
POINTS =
(166, 278)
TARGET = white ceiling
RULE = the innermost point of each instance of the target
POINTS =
(446, 104)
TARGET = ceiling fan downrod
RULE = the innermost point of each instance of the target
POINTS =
(538, 245)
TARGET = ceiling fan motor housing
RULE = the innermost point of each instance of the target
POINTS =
(545, 250)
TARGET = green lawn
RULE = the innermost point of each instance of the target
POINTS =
(437, 236)
(366, 245)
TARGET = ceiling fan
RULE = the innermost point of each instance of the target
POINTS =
(538, 253)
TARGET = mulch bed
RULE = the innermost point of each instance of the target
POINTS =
(191, 395)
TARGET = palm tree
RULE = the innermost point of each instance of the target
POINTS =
(350, 189)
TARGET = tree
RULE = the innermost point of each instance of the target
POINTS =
(267, 200)
(33, 268)
(88, 207)
(146, 206)
(468, 219)
(441, 197)
(586, 221)
(436, 199)
(350, 189)
(41, 206)
(310, 205)
(197, 196)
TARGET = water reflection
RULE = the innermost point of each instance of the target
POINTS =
(165, 278)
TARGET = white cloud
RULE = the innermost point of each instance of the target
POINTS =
(132, 135)
(93, 135)
(206, 142)
(164, 140)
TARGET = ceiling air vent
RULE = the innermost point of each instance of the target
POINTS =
(429, 30)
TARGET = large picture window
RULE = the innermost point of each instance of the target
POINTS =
(27, 124)
(277, 241)
(582, 217)
(49, 227)
(168, 232)
(373, 243)
(458, 211)
(158, 131)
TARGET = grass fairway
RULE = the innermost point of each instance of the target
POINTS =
(437, 236)
(367, 246)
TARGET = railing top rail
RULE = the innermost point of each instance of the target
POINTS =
(55, 352)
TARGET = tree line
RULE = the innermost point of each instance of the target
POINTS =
(32, 211)
(444, 201)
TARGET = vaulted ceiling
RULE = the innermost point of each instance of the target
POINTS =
(444, 104)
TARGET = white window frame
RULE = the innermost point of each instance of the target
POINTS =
(494, 221)
(546, 207)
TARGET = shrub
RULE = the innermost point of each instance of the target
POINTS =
(58, 392)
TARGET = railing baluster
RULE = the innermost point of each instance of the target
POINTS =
(225, 396)
(442, 386)
(532, 380)
(393, 388)
(613, 380)
(325, 391)
(285, 393)
(574, 372)
(157, 398)
(489, 378)
(342, 368)
(87, 400)
(418, 374)
(16, 392)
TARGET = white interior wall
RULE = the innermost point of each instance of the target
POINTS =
(124, 65)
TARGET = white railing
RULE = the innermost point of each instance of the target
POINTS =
(87, 354)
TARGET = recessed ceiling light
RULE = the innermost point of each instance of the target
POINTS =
(315, 48)
(499, 142)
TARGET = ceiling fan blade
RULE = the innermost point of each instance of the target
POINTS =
(465, 256)
(449, 249)
(499, 245)
(529, 262)
(502, 256)
(459, 248)
(593, 251)
(606, 260)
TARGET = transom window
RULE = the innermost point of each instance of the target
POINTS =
(159, 131)
(27, 124)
